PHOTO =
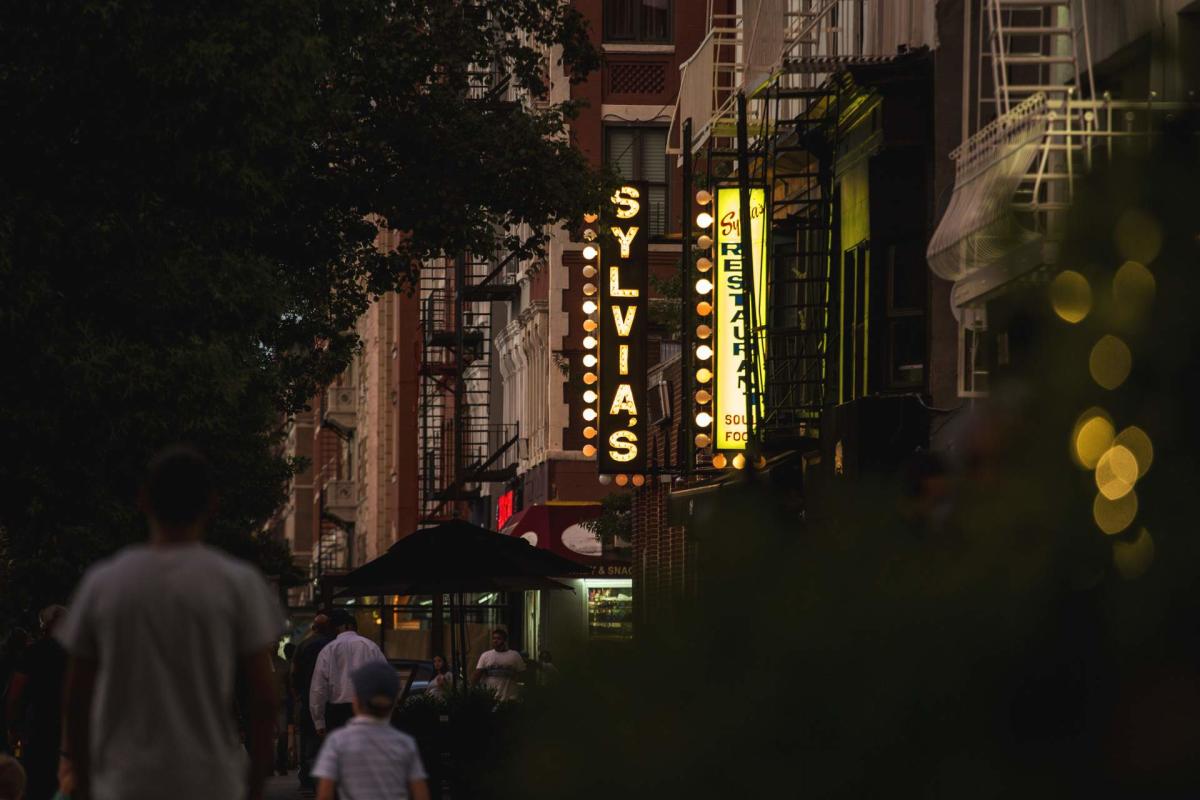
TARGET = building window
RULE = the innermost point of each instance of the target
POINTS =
(640, 154)
(637, 21)
(855, 311)
(609, 608)
(906, 315)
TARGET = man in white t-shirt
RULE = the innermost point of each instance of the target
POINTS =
(158, 636)
(498, 668)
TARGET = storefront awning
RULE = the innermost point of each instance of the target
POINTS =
(979, 227)
(558, 527)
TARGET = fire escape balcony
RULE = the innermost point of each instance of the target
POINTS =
(339, 501)
(339, 408)
(744, 53)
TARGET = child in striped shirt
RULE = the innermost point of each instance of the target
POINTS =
(368, 759)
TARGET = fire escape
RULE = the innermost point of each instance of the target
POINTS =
(460, 448)
(783, 57)
(1038, 125)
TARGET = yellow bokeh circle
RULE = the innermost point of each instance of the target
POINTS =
(1110, 362)
(1132, 558)
(1114, 516)
(1116, 472)
(1092, 437)
(1071, 296)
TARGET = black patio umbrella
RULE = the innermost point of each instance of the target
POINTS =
(454, 558)
(457, 556)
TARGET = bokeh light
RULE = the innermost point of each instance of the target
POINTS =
(1133, 557)
(703, 397)
(1137, 441)
(739, 461)
(589, 271)
(639, 480)
(703, 331)
(589, 432)
(704, 375)
(589, 378)
(590, 396)
(1116, 473)
(590, 325)
(1110, 362)
(589, 450)
(1092, 437)
(622, 480)
(702, 440)
(703, 264)
(719, 461)
(589, 289)
(704, 308)
(1114, 516)
(1071, 296)
(1133, 290)
(1138, 236)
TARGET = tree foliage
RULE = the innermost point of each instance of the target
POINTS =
(190, 199)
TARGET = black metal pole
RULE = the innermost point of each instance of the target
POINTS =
(751, 332)
(687, 452)
(460, 387)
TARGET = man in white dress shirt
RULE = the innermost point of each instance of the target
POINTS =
(332, 693)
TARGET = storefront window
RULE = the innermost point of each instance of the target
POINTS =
(610, 609)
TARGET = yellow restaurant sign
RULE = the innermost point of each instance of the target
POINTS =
(732, 320)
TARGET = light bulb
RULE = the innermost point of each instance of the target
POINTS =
(589, 307)
(590, 325)
(589, 397)
(622, 479)
(589, 271)
(589, 413)
(589, 432)
(589, 361)
(589, 289)
(589, 252)
(703, 397)
(704, 242)
(703, 264)
(704, 352)
(703, 419)
(739, 461)
(639, 480)
(589, 450)
(703, 197)
(719, 461)
(703, 286)
(589, 378)
(704, 219)
(589, 235)
(703, 375)
(605, 480)
(702, 331)
(590, 217)
(703, 308)
(702, 440)
(589, 342)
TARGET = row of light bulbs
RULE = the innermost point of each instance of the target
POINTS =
(590, 326)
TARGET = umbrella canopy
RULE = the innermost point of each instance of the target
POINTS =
(457, 556)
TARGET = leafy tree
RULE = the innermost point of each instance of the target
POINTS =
(190, 200)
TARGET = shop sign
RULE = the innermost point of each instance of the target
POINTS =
(504, 508)
(732, 321)
(623, 289)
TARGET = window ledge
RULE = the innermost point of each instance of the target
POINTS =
(623, 47)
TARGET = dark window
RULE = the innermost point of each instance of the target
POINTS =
(637, 20)
(855, 304)
(640, 154)
(906, 315)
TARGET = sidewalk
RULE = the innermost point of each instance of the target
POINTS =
(285, 787)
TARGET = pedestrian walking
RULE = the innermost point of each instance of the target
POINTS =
(157, 637)
(12, 779)
(368, 759)
(498, 668)
(283, 720)
(331, 697)
(34, 706)
(304, 663)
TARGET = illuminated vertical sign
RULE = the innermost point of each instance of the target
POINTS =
(623, 284)
(732, 321)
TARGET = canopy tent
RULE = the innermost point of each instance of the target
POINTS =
(558, 527)
(454, 558)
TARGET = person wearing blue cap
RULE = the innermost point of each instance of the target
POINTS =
(368, 759)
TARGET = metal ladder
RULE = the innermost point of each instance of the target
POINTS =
(1041, 46)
